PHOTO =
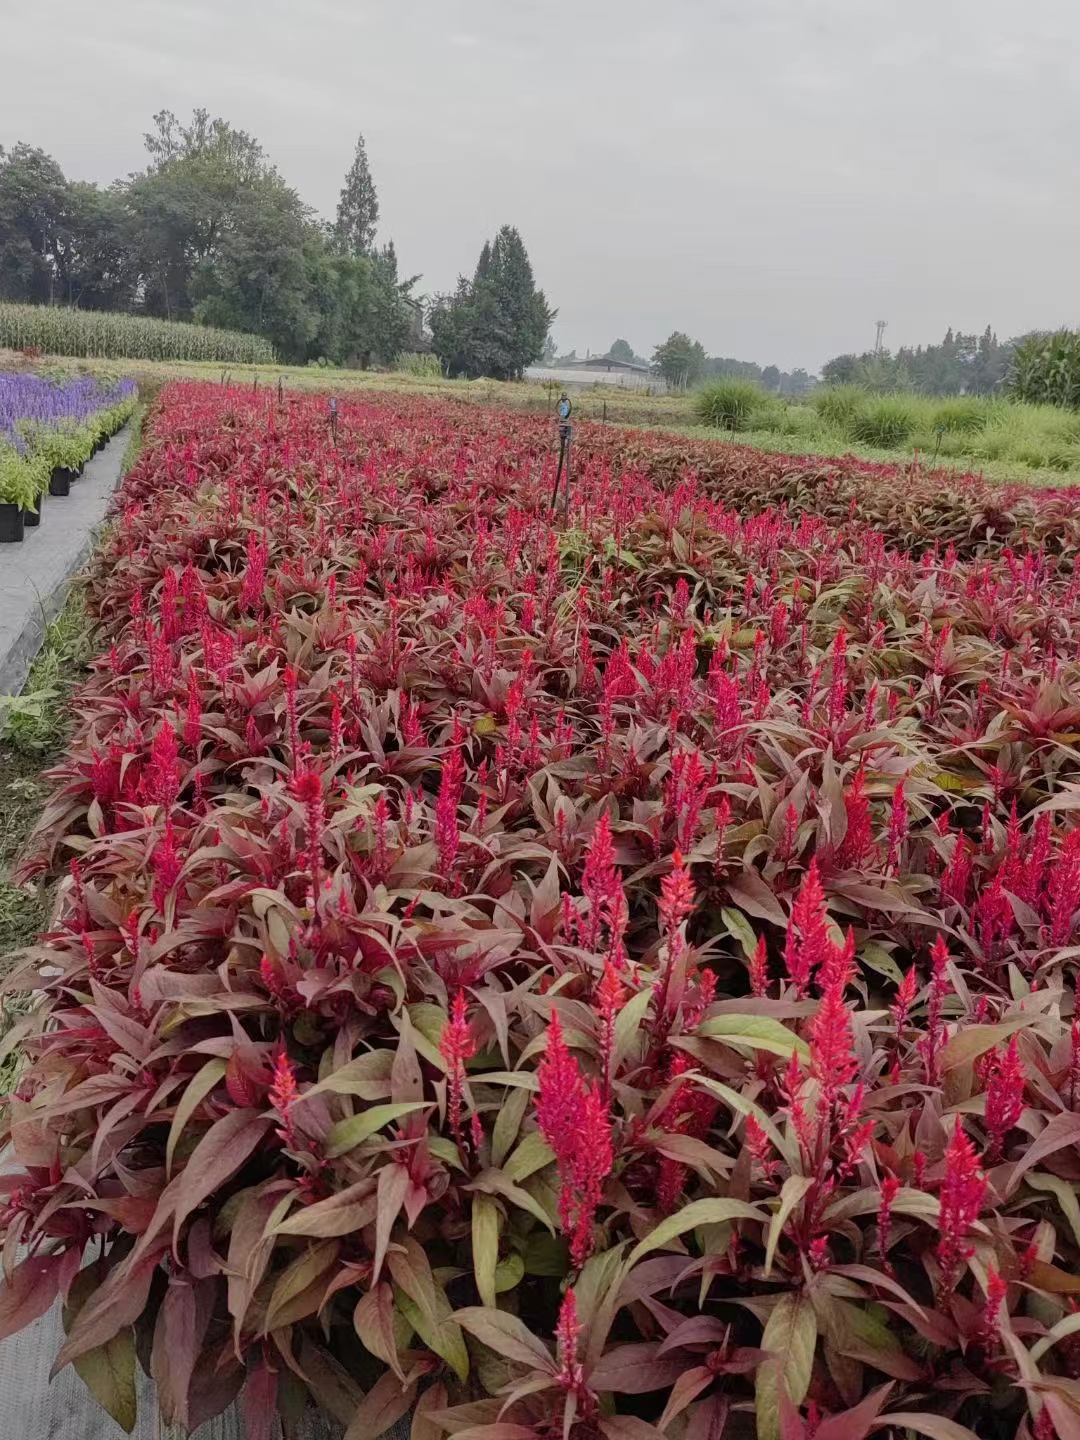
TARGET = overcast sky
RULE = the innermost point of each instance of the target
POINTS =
(771, 176)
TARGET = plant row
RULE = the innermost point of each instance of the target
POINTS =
(49, 429)
(612, 979)
(59, 330)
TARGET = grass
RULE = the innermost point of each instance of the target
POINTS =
(35, 728)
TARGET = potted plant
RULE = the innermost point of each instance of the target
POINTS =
(39, 475)
(17, 493)
(65, 451)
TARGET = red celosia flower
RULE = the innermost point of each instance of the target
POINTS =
(759, 968)
(996, 1291)
(283, 1094)
(808, 941)
(890, 1186)
(575, 1123)
(456, 1045)
(567, 1334)
(1004, 1098)
(447, 831)
(932, 1041)
(898, 827)
(962, 1192)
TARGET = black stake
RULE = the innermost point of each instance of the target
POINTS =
(565, 432)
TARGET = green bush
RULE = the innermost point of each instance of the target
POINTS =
(411, 362)
(966, 415)
(55, 330)
(730, 404)
(1046, 369)
(886, 421)
(838, 405)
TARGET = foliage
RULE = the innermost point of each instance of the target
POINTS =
(1046, 369)
(48, 423)
(839, 404)
(614, 982)
(888, 421)
(358, 207)
(57, 331)
(623, 350)
(730, 404)
(497, 323)
(411, 362)
(680, 360)
(207, 232)
(961, 364)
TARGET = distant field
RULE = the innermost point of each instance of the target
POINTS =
(1036, 444)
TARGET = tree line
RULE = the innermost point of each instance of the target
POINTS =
(959, 365)
(210, 232)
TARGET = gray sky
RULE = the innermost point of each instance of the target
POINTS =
(770, 175)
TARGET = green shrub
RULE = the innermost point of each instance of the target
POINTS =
(730, 404)
(1046, 369)
(56, 330)
(886, 421)
(411, 362)
(838, 405)
(966, 415)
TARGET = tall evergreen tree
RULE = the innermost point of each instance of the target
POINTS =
(497, 323)
(358, 207)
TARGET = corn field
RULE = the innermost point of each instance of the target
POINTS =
(94, 333)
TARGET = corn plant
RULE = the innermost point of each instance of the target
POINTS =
(53, 330)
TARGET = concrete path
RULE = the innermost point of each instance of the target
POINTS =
(35, 575)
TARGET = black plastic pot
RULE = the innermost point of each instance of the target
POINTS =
(60, 481)
(11, 524)
(33, 517)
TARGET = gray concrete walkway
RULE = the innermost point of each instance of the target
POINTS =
(35, 575)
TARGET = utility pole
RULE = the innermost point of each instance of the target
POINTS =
(881, 326)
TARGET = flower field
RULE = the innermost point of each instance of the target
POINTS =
(612, 979)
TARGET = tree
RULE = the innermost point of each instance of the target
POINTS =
(548, 357)
(622, 350)
(358, 207)
(840, 370)
(185, 201)
(770, 378)
(33, 195)
(497, 323)
(260, 277)
(680, 360)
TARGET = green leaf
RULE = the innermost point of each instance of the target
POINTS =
(1065, 1190)
(740, 929)
(754, 1032)
(791, 1338)
(531, 1155)
(742, 1106)
(876, 957)
(443, 1337)
(507, 1336)
(934, 1426)
(497, 1182)
(1069, 1326)
(109, 1374)
(507, 1124)
(347, 1134)
(509, 1273)
(627, 1024)
(485, 1246)
(698, 1212)
(791, 1192)
(974, 1040)
(195, 1092)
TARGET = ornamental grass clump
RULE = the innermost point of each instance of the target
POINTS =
(605, 981)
